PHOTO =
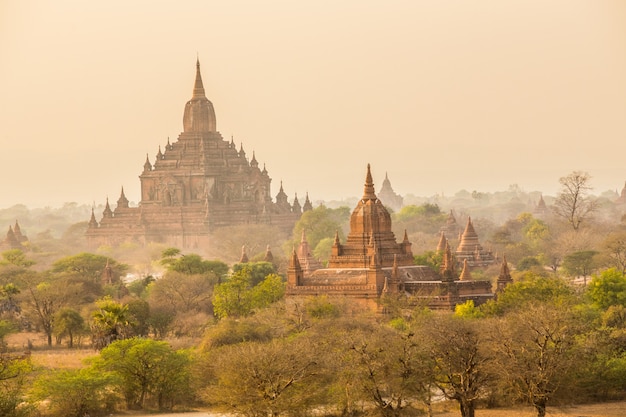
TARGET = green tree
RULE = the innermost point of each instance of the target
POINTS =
(238, 298)
(43, 296)
(531, 288)
(76, 392)
(147, 369)
(573, 202)
(68, 322)
(88, 266)
(14, 373)
(256, 270)
(191, 264)
(321, 223)
(110, 322)
(580, 263)
(608, 289)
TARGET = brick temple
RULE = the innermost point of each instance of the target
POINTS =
(372, 263)
(194, 185)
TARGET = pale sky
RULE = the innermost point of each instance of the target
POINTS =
(442, 95)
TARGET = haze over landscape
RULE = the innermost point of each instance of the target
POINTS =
(442, 95)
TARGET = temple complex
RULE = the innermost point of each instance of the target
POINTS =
(391, 199)
(194, 185)
(371, 263)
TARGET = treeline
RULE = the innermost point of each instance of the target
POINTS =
(542, 342)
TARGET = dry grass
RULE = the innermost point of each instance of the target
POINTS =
(56, 357)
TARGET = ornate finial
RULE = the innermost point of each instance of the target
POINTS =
(336, 242)
(198, 87)
(368, 192)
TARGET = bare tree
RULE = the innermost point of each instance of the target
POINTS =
(535, 352)
(573, 202)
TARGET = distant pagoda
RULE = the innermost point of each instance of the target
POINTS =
(196, 184)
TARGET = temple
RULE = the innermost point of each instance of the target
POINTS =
(471, 250)
(14, 238)
(194, 185)
(391, 199)
(372, 264)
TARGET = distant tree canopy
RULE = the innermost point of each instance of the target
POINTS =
(321, 223)
(426, 218)
(88, 266)
(191, 264)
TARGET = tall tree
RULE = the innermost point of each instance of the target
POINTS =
(147, 368)
(43, 295)
(110, 322)
(535, 352)
(270, 379)
(462, 362)
(573, 202)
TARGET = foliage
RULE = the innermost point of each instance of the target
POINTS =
(183, 293)
(530, 289)
(13, 378)
(432, 259)
(458, 348)
(238, 298)
(110, 322)
(426, 218)
(277, 377)
(608, 289)
(76, 392)
(43, 296)
(232, 331)
(527, 263)
(321, 223)
(191, 264)
(16, 257)
(68, 322)
(468, 310)
(535, 351)
(88, 266)
(614, 248)
(580, 263)
(257, 270)
(389, 368)
(147, 369)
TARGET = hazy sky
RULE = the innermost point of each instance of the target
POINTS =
(443, 95)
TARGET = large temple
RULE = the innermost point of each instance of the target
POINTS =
(196, 184)
(371, 263)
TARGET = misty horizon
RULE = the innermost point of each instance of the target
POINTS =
(441, 96)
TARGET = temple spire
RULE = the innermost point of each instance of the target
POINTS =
(198, 87)
(368, 189)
